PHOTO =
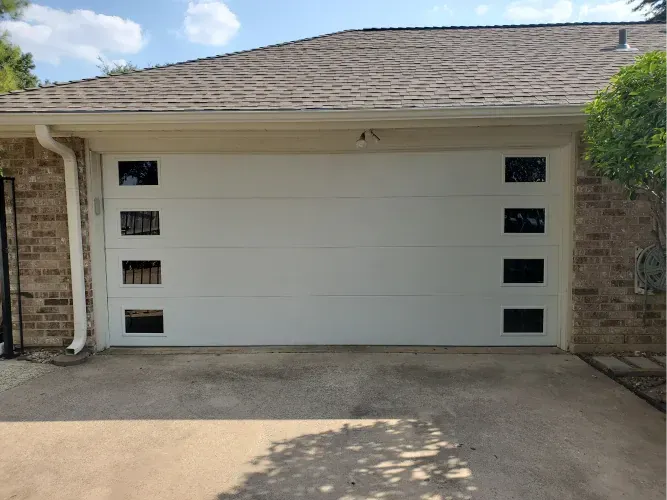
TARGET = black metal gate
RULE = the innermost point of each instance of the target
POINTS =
(7, 339)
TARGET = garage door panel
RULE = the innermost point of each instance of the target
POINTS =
(333, 320)
(330, 271)
(334, 222)
(381, 248)
(377, 174)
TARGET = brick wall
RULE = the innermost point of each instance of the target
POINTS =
(41, 213)
(608, 315)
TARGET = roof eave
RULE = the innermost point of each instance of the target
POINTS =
(286, 117)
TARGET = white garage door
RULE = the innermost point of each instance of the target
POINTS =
(457, 248)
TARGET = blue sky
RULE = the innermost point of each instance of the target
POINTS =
(67, 36)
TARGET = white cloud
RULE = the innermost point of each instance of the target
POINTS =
(52, 34)
(480, 10)
(118, 62)
(210, 22)
(445, 9)
(536, 11)
(613, 11)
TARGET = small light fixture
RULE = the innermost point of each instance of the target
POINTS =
(361, 142)
(366, 134)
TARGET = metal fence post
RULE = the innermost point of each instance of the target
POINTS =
(7, 334)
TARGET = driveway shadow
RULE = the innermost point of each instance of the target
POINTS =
(389, 459)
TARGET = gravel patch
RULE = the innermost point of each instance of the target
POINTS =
(651, 389)
(41, 355)
(14, 372)
(645, 383)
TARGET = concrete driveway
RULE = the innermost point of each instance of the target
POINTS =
(329, 426)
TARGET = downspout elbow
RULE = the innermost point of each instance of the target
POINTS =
(74, 232)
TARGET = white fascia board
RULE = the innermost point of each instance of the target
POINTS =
(263, 117)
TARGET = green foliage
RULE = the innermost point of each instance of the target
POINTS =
(15, 68)
(109, 69)
(655, 10)
(626, 125)
(625, 131)
(12, 8)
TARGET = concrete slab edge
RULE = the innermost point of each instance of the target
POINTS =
(332, 349)
(646, 365)
(66, 360)
(615, 348)
(642, 372)
(652, 401)
(620, 379)
(624, 367)
(660, 359)
(617, 371)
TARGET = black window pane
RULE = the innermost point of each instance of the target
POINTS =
(525, 169)
(523, 320)
(140, 223)
(524, 220)
(142, 272)
(523, 271)
(137, 173)
(144, 321)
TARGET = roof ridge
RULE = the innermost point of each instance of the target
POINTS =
(490, 26)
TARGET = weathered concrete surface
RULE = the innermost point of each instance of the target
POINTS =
(66, 360)
(645, 364)
(330, 426)
(14, 372)
(614, 366)
(633, 366)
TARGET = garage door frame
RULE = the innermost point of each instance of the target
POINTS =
(97, 239)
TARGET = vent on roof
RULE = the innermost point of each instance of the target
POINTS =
(623, 45)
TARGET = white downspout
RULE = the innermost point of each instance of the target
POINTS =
(74, 229)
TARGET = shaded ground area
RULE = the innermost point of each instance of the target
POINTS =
(330, 426)
(380, 460)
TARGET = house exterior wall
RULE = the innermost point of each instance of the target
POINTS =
(43, 243)
(607, 313)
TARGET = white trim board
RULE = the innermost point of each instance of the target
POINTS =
(98, 265)
(109, 117)
(517, 139)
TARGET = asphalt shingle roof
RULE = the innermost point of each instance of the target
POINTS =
(370, 69)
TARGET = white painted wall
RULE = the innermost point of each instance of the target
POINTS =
(383, 248)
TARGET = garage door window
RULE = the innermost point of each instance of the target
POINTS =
(140, 223)
(525, 221)
(142, 272)
(525, 169)
(144, 321)
(137, 173)
(523, 271)
(523, 321)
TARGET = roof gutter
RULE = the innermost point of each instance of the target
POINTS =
(203, 116)
(74, 228)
